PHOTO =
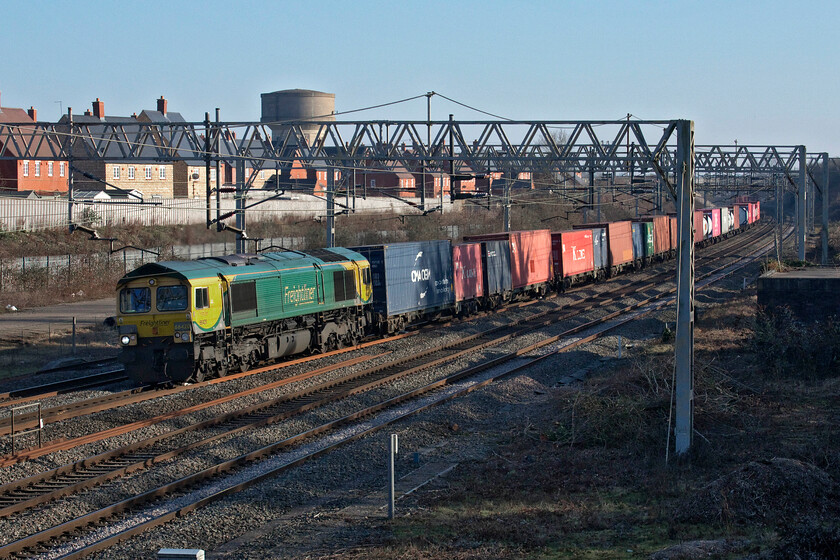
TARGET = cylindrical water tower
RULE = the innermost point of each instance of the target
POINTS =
(296, 105)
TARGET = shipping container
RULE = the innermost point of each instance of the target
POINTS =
(530, 255)
(495, 266)
(713, 226)
(600, 250)
(757, 215)
(743, 215)
(467, 271)
(726, 220)
(571, 253)
(410, 278)
(619, 242)
(638, 242)
(736, 216)
(699, 226)
(661, 233)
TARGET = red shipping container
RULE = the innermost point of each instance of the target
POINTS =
(749, 213)
(661, 233)
(467, 271)
(571, 253)
(715, 214)
(620, 238)
(736, 216)
(758, 210)
(698, 226)
(530, 255)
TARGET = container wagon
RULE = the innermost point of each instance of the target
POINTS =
(699, 227)
(619, 243)
(412, 281)
(572, 257)
(713, 223)
(600, 252)
(530, 259)
(467, 274)
(495, 272)
(661, 235)
(639, 243)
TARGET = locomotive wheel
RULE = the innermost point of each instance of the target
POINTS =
(198, 376)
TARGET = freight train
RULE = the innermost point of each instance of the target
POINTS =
(184, 321)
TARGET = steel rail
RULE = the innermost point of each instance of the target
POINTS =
(140, 394)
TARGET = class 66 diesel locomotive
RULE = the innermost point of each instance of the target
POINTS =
(187, 321)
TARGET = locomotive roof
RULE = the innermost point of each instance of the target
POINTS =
(239, 263)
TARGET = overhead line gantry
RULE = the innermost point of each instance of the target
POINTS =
(457, 148)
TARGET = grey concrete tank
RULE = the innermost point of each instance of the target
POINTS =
(297, 104)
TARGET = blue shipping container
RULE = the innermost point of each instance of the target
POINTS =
(600, 249)
(412, 276)
(495, 260)
(638, 241)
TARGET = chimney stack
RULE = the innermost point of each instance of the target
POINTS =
(33, 114)
(88, 113)
(99, 109)
(161, 105)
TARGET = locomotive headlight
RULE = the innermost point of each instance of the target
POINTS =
(126, 340)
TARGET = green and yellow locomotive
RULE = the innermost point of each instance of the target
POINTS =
(186, 321)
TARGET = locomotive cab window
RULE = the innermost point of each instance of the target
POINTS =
(366, 276)
(202, 298)
(135, 300)
(171, 298)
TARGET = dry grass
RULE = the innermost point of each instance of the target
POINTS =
(585, 477)
(23, 357)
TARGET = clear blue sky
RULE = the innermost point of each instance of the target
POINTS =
(758, 72)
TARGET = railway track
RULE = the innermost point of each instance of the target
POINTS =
(640, 282)
(103, 379)
(299, 402)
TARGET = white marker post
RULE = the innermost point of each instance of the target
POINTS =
(393, 449)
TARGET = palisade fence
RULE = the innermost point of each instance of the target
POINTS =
(37, 272)
(18, 214)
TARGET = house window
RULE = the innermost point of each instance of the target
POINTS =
(131, 172)
(262, 175)
(61, 169)
(49, 169)
(26, 169)
(148, 172)
(212, 174)
(162, 173)
(37, 168)
(116, 172)
(373, 182)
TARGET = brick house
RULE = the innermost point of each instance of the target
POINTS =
(44, 176)
(152, 178)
